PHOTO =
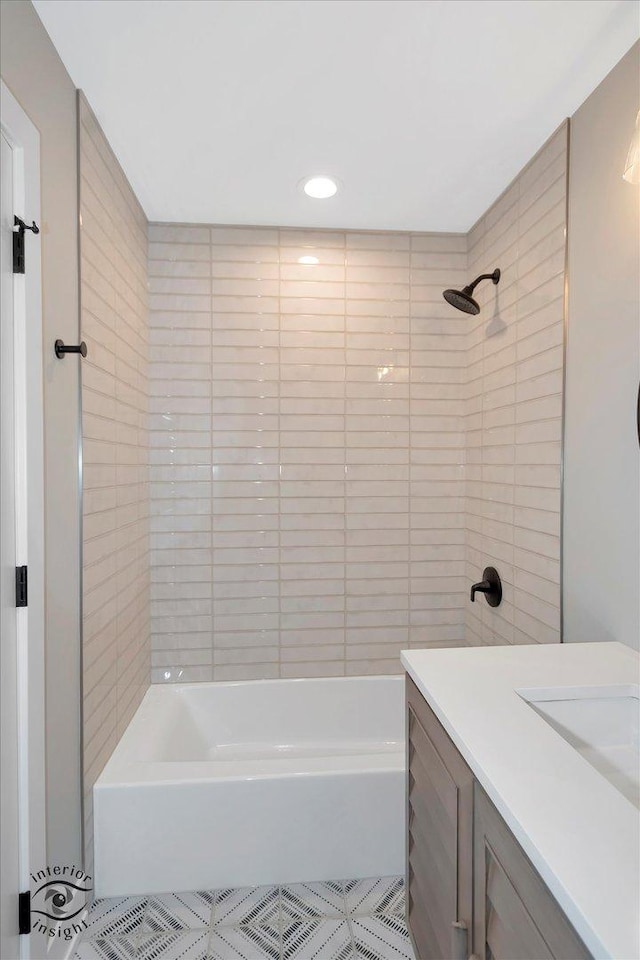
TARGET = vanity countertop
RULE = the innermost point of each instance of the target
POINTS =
(581, 834)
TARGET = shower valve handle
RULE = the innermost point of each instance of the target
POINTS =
(490, 585)
(482, 587)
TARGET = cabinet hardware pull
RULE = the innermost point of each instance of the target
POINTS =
(459, 940)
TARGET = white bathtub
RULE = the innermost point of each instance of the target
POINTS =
(239, 784)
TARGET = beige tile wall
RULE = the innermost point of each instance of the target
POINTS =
(307, 450)
(114, 323)
(514, 404)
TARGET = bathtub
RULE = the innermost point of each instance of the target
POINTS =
(254, 782)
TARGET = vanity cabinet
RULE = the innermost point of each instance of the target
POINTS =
(472, 893)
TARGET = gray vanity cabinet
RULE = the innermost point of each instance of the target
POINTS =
(439, 837)
(472, 893)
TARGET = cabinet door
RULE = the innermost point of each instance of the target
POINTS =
(439, 837)
(516, 917)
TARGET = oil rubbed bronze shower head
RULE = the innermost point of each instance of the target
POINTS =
(462, 299)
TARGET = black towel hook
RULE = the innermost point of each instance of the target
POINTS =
(61, 350)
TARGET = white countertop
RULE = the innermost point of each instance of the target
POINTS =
(581, 834)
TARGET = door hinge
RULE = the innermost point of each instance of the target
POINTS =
(21, 587)
(18, 242)
(24, 913)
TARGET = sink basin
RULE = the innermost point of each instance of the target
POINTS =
(601, 723)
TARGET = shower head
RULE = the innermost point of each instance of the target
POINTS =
(462, 299)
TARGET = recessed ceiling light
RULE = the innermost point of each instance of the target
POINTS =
(311, 260)
(320, 188)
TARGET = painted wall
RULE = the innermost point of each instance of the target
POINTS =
(115, 399)
(602, 481)
(37, 78)
(514, 404)
(307, 450)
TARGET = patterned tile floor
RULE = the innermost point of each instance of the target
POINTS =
(338, 920)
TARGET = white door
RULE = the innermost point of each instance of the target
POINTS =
(9, 814)
(22, 762)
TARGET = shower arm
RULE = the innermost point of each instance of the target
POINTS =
(483, 276)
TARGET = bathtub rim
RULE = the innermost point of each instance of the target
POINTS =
(121, 770)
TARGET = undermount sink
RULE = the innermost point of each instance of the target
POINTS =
(601, 723)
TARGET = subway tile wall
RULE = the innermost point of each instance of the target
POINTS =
(307, 453)
(513, 404)
(114, 324)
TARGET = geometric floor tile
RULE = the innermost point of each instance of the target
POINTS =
(255, 942)
(115, 917)
(311, 900)
(335, 920)
(382, 937)
(179, 911)
(246, 905)
(183, 945)
(382, 895)
(317, 940)
(115, 948)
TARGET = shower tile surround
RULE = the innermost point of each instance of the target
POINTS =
(114, 324)
(513, 404)
(307, 450)
(336, 453)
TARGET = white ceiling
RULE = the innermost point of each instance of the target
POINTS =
(423, 109)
